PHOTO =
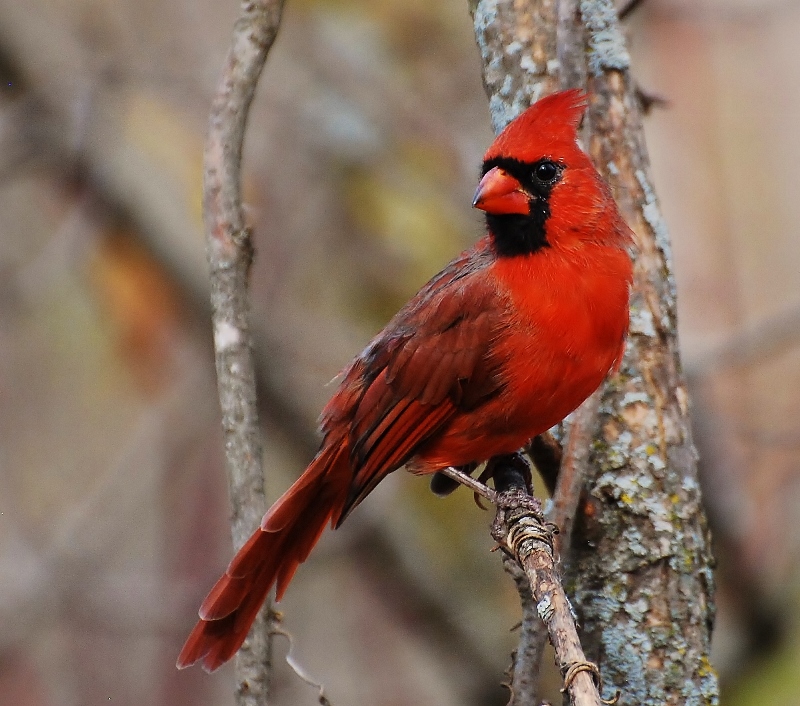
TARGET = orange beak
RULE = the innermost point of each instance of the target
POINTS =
(500, 193)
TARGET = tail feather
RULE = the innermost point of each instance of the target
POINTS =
(248, 559)
(287, 535)
(225, 597)
(305, 539)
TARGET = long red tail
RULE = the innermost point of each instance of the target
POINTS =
(284, 540)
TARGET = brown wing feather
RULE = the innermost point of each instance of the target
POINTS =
(394, 443)
(433, 358)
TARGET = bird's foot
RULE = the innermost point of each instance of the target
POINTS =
(519, 499)
(511, 505)
(517, 508)
(510, 471)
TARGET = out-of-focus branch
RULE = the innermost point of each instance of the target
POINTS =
(573, 473)
(230, 255)
(748, 345)
(628, 9)
(526, 658)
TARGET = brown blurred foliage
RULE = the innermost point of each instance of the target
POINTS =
(361, 160)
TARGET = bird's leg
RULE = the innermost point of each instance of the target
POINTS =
(510, 472)
(512, 479)
(465, 479)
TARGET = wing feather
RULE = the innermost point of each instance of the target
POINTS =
(434, 358)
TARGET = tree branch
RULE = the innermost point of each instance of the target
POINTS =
(643, 572)
(570, 45)
(517, 41)
(527, 657)
(573, 472)
(519, 527)
(229, 251)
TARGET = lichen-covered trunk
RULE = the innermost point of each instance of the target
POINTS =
(641, 569)
(641, 573)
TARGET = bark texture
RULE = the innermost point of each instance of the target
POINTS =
(642, 566)
(517, 41)
(641, 575)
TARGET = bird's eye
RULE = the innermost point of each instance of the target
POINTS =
(545, 171)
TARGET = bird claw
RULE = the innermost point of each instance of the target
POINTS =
(498, 530)
(483, 478)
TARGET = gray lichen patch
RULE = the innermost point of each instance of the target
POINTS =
(518, 68)
(607, 48)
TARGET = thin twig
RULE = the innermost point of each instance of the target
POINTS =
(296, 667)
(628, 9)
(230, 254)
(519, 527)
(475, 485)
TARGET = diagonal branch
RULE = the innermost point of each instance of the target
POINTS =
(572, 474)
(520, 529)
(229, 251)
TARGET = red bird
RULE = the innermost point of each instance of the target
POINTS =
(502, 344)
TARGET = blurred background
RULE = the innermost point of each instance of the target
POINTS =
(362, 157)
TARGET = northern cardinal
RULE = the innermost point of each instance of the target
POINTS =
(498, 347)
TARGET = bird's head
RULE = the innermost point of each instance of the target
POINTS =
(538, 188)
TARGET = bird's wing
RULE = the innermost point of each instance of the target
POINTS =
(433, 359)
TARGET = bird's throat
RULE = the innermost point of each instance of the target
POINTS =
(515, 234)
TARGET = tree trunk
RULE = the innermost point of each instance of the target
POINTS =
(641, 570)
